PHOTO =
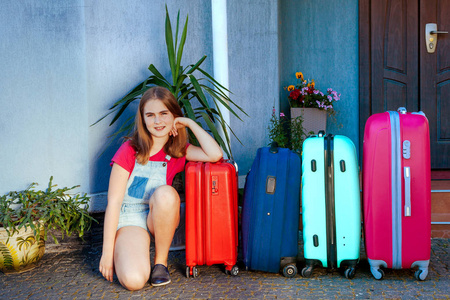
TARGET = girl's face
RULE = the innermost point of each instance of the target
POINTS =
(158, 119)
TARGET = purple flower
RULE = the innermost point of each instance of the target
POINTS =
(329, 98)
(282, 115)
(316, 92)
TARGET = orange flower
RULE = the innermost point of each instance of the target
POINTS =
(291, 88)
(299, 75)
(313, 84)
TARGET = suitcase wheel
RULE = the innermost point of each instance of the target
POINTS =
(191, 272)
(290, 270)
(420, 275)
(233, 272)
(377, 273)
(350, 273)
(307, 271)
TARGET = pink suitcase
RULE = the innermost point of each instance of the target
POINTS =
(396, 192)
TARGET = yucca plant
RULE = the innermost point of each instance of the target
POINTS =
(185, 86)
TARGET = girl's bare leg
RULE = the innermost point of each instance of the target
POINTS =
(132, 257)
(163, 219)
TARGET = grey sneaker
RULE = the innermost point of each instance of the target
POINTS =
(160, 275)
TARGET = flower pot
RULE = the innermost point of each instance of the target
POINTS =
(21, 251)
(314, 119)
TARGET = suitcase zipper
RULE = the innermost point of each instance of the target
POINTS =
(396, 190)
(330, 201)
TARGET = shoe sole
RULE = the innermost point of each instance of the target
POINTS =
(161, 284)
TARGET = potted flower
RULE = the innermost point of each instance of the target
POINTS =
(27, 216)
(310, 103)
(280, 127)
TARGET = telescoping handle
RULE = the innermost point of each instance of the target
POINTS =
(273, 147)
(407, 175)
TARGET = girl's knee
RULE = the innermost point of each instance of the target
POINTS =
(133, 281)
(165, 196)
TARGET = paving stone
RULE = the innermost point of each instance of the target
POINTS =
(70, 271)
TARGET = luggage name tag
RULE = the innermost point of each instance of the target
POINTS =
(271, 184)
(215, 185)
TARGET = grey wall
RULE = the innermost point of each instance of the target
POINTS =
(320, 39)
(64, 63)
(254, 73)
(43, 99)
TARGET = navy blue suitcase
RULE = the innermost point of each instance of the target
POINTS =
(270, 216)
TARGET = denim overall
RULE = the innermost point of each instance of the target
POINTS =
(140, 187)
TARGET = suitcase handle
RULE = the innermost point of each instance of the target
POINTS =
(273, 147)
(401, 110)
(230, 161)
(407, 175)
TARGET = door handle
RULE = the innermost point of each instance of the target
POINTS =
(437, 32)
(431, 33)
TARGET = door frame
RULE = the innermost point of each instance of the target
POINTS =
(365, 87)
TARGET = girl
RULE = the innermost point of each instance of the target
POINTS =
(141, 200)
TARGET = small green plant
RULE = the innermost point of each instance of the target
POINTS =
(280, 127)
(298, 134)
(278, 130)
(53, 208)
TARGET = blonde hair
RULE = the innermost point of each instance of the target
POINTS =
(141, 139)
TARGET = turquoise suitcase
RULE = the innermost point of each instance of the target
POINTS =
(331, 204)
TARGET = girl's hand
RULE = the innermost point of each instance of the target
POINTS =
(179, 123)
(106, 267)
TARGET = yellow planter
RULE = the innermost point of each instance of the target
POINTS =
(21, 252)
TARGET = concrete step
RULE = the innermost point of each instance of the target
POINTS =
(440, 208)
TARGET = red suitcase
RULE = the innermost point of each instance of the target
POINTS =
(396, 192)
(211, 216)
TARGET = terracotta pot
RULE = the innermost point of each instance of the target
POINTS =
(21, 251)
(314, 119)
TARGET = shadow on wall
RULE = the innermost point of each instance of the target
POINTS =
(101, 169)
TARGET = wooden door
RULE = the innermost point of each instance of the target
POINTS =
(396, 70)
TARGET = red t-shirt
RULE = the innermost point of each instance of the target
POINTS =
(125, 157)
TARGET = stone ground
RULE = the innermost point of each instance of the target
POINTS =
(70, 271)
